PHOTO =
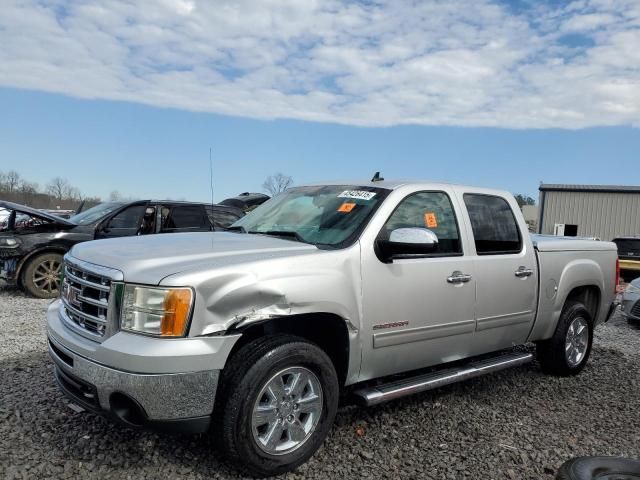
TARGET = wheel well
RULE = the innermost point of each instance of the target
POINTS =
(589, 296)
(31, 255)
(326, 330)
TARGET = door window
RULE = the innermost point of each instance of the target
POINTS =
(494, 226)
(129, 218)
(222, 218)
(184, 217)
(430, 210)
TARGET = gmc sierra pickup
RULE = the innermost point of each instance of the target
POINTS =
(375, 289)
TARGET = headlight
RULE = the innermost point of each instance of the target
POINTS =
(163, 312)
(9, 242)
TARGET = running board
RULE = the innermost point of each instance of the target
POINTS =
(421, 383)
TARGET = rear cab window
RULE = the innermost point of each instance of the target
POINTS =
(495, 229)
(628, 248)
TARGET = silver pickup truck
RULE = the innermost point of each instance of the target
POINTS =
(375, 290)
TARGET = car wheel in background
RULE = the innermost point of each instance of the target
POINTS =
(603, 468)
(41, 275)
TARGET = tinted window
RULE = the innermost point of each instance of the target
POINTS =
(222, 218)
(494, 227)
(431, 210)
(183, 217)
(628, 247)
(129, 218)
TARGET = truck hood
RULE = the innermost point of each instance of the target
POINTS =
(149, 259)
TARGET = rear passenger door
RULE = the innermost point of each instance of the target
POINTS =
(506, 272)
(184, 218)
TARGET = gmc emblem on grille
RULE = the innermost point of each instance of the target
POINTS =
(71, 296)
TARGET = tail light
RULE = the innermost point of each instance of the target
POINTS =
(617, 275)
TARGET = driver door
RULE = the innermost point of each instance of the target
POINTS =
(415, 312)
(127, 222)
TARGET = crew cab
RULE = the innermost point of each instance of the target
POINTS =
(32, 242)
(374, 290)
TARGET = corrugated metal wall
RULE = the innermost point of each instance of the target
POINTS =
(602, 215)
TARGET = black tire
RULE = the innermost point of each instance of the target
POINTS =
(551, 353)
(243, 379)
(41, 275)
(603, 468)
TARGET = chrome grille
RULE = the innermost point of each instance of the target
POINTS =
(85, 298)
(635, 311)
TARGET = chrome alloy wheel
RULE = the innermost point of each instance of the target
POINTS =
(577, 341)
(287, 410)
(46, 276)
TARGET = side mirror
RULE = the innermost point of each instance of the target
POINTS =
(408, 241)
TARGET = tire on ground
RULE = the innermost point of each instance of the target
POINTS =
(41, 275)
(243, 378)
(551, 353)
(589, 468)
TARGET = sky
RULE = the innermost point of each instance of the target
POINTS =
(130, 95)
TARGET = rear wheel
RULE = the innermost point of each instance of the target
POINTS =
(277, 402)
(567, 352)
(41, 275)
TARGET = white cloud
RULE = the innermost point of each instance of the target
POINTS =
(456, 62)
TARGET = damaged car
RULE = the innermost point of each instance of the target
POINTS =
(33, 242)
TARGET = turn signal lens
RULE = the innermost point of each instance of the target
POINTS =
(177, 304)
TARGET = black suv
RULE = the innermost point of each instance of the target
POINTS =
(32, 242)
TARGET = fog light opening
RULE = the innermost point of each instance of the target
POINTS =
(127, 409)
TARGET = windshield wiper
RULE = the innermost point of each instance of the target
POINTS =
(282, 233)
(236, 228)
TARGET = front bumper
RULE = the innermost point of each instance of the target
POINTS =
(8, 268)
(127, 389)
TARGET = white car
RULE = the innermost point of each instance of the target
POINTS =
(631, 301)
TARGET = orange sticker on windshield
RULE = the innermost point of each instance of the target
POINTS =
(430, 220)
(346, 207)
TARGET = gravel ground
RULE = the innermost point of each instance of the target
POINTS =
(517, 424)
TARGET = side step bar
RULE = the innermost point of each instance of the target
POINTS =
(421, 383)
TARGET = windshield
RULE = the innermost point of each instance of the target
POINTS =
(95, 213)
(320, 215)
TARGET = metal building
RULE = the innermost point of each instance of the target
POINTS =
(600, 211)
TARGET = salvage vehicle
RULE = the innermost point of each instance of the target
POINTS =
(370, 290)
(33, 242)
(246, 201)
(631, 301)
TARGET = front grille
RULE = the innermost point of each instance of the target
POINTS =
(635, 311)
(85, 297)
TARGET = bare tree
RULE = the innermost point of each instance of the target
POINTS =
(27, 191)
(12, 180)
(59, 188)
(277, 183)
(114, 196)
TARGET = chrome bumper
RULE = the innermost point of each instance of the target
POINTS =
(160, 397)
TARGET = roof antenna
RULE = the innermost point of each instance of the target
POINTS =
(377, 178)
(211, 175)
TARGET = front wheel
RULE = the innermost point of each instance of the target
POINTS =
(567, 352)
(278, 399)
(41, 277)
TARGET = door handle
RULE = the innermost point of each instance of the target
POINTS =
(459, 277)
(523, 272)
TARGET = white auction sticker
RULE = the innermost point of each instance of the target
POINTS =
(358, 194)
